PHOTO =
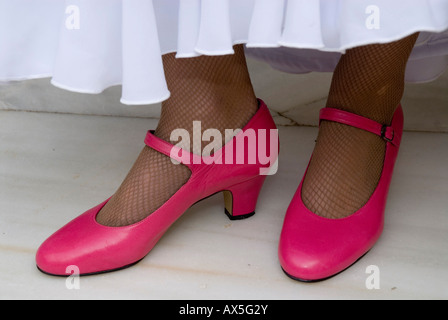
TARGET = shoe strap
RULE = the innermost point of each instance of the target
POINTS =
(174, 152)
(384, 131)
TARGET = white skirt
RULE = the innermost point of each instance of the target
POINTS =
(89, 45)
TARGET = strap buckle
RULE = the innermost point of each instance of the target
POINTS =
(384, 132)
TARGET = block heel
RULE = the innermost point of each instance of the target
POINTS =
(241, 199)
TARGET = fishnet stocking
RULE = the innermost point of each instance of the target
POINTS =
(153, 179)
(214, 90)
(347, 162)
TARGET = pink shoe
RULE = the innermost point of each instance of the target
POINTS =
(95, 248)
(314, 248)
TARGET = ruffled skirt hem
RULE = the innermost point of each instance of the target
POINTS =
(87, 46)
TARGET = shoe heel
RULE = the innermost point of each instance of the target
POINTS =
(241, 199)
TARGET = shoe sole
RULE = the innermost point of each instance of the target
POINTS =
(89, 274)
(323, 279)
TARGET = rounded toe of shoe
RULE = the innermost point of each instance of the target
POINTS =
(86, 247)
(70, 248)
(49, 260)
(64, 251)
(305, 252)
(305, 265)
(309, 254)
(312, 257)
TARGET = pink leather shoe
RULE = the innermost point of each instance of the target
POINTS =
(95, 248)
(314, 248)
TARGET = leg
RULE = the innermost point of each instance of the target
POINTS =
(214, 90)
(347, 162)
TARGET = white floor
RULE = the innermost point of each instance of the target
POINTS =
(54, 166)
